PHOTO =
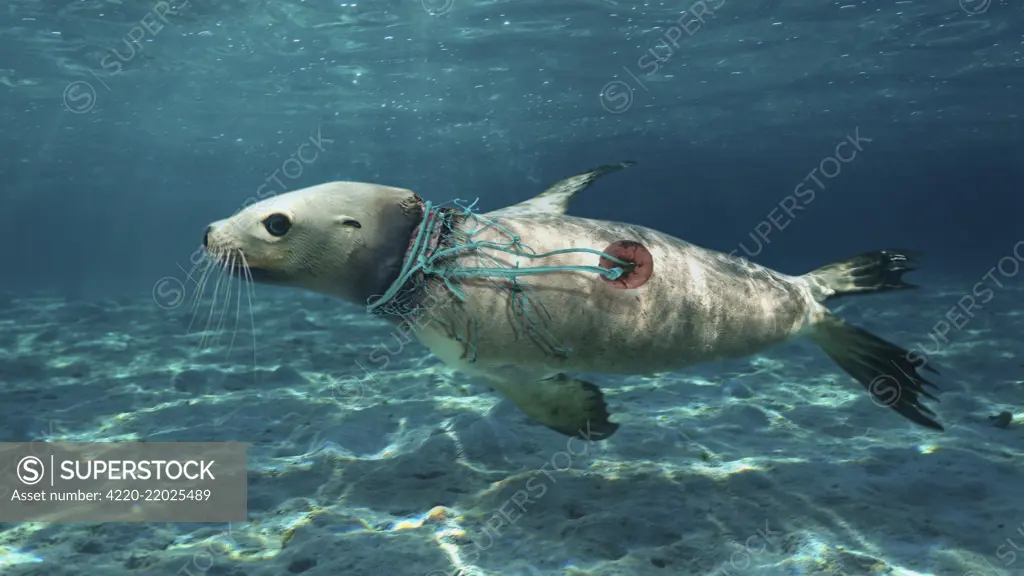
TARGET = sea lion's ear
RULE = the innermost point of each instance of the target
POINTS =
(347, 221)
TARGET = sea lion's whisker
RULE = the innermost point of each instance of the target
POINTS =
(250, 292)
(222, 264)
(238, 303)
(204, 261)
(232, 262)
(198, 298)
(203, 276)
(213, 305)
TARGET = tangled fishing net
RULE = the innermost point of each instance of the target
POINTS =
(449, 232)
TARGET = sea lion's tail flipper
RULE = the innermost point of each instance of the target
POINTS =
(887, 371)
(869, 272)
(566, 405)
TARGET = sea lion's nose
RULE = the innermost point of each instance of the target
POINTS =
(206, 236)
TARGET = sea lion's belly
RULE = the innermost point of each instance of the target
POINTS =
(698, 305)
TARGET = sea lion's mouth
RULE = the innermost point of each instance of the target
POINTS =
(233, 263)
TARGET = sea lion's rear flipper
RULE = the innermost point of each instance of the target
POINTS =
(565, 404)
(887, 371)
(879, 271)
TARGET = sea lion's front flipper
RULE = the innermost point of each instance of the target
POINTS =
(565, 404)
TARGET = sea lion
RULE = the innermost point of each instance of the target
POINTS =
(526, 295)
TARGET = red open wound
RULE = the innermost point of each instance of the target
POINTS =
(639, 268)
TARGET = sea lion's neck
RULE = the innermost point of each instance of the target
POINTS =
(403, 288)
(380, 263)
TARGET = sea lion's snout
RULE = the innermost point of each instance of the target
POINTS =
(243, 255)
(222, 243)
(215, 242)
(207, 233)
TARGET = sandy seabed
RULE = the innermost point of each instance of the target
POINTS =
(779, 464)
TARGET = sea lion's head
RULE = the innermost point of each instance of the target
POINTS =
(345, 239)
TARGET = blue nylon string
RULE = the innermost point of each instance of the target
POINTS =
(439, 264)
(417, 260)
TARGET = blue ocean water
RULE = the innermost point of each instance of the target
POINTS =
(793, 134)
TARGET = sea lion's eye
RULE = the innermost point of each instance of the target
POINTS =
(277, 224)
